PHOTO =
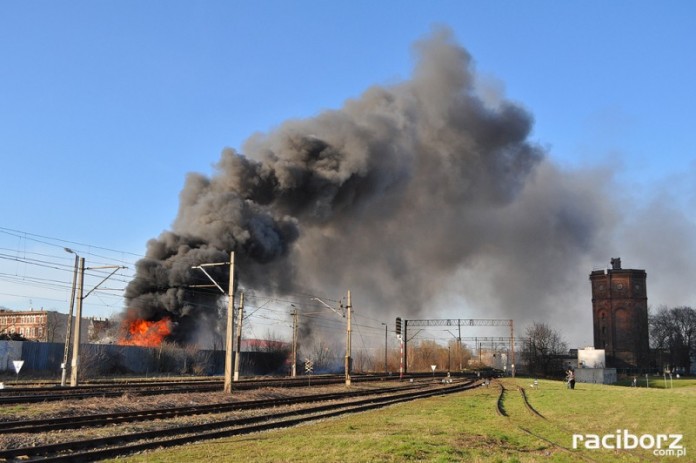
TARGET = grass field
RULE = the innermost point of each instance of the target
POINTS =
(466, 427)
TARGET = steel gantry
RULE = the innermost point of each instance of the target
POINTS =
(458, 322)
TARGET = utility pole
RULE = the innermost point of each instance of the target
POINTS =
(78, 323)
(347, 314)
(294, 342)
(385, 347)
(68, 329)
(238, 353)
(230, 327)
(349, 309)
(405, 344)
(459, 344)
(512, 348)
(480, 345)
(401, 358)
(78, 314)
(230, 317)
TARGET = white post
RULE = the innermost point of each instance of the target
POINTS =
(78, 323)
(349, 309)
(238, 354)
(230, 329)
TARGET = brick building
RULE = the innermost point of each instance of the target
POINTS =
(38, 325)
(620, 315)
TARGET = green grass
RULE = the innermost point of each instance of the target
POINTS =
(11, 410)
(658, 382)
(465, 427)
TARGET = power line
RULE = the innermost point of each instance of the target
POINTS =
(35, 237)
(61, 262)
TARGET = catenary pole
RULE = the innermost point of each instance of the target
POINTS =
(294, 342)
(238, 353)
(230, 328)
(459, 344)
(78, 323)
(349, 309)
(385, 347)
(512, 348)
(404, 333)
(68, 329)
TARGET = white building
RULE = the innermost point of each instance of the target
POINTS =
(591, 367)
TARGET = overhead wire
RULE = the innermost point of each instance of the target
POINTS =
(63, 262)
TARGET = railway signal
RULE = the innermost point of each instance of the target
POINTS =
(309, 369)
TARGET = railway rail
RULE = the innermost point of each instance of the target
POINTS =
(17, 395)
(105, 419)
(273, 418)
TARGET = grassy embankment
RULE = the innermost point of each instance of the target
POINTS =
(466, 427)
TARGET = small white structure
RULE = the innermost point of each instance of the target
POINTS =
(596, 375)
(591, 369)
(589, 357)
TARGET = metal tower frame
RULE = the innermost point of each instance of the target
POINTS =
(458, 322)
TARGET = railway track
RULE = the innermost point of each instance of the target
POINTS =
(273, 418)
(33, 395)
(105, 419)
(18, 395)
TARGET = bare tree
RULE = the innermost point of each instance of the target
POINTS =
(461, 355)
(674, 330)
(56, 325)
(427, 354)
(363, 360)
(323, 357)
(542, 350)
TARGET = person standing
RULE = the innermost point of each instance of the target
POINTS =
(571, 379)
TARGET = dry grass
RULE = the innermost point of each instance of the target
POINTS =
(136, 403)
(465, 427)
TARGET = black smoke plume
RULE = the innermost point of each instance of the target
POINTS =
(391, 196)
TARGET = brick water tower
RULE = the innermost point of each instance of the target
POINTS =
(620, 315)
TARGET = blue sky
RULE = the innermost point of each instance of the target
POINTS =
(106, 106)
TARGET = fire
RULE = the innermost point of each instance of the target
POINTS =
(146, 333)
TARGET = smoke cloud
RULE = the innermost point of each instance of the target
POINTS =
(406, 193)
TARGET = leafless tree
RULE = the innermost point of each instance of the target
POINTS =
(674, 330)
(363, 360)
(542, 350)
(56, 325)
(323, 357)
(427, 353)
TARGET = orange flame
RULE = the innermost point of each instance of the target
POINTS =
(146, 333)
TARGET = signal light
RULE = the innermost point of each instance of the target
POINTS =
(398, 326)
